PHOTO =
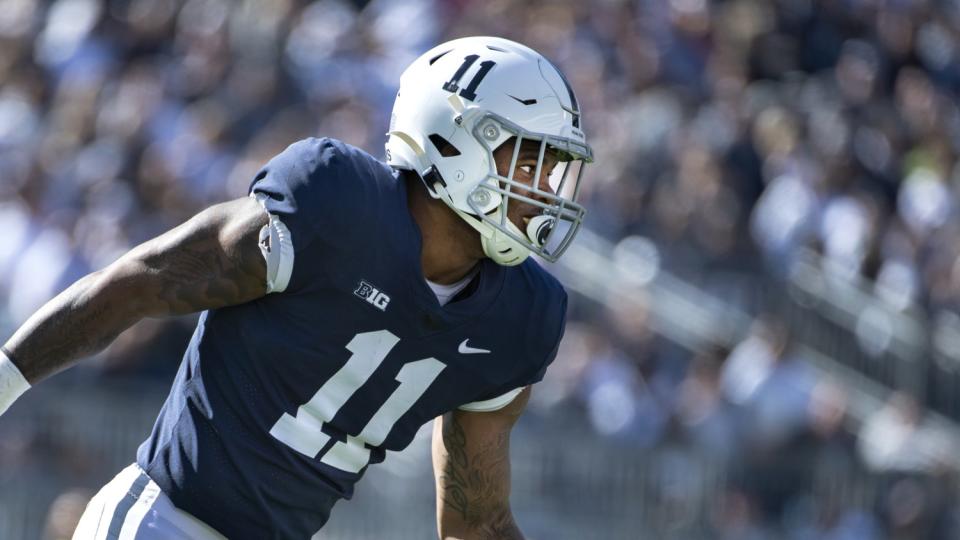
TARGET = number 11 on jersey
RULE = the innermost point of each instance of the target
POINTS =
(304, 432)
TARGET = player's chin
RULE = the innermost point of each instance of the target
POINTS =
(520, 221)
(521, 216)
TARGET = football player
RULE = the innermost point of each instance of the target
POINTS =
(346, 302)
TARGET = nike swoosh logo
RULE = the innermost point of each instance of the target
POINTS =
(464, 349)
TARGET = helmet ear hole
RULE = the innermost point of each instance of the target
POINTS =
(444, 146)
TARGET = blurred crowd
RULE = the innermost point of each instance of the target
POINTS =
(737, 135)
(797, 462)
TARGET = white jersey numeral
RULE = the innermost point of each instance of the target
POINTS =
(304, 433)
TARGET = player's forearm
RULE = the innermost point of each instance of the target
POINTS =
(473, 484)
(79, 322)
(498, 525)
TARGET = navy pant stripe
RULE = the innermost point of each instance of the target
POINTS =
(124, 506)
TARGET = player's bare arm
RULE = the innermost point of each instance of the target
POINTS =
(471, 462)
(212, 260)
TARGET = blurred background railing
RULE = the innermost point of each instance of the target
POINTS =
(837, 322)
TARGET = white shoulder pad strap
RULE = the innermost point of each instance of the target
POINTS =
(12, 382)
(494, 404)
(276, 245)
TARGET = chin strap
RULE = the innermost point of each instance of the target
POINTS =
(497, 245)
(502, 249)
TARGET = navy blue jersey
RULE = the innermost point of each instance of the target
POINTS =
(281, 403)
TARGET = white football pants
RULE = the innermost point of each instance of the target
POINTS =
(132, 507)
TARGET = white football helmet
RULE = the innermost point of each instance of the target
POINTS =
(459, 102)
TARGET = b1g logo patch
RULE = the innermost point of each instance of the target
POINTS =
(372, 295)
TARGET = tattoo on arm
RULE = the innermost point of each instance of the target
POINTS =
(208, 262)
(204, 264)
(476, 485)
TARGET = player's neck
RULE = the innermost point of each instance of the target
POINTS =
(450, 247)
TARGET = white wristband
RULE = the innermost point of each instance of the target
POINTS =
(12, 382)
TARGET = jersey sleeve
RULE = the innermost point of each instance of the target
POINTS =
(492, 404)
(537, 375)
(502, 397)
(310, 192)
